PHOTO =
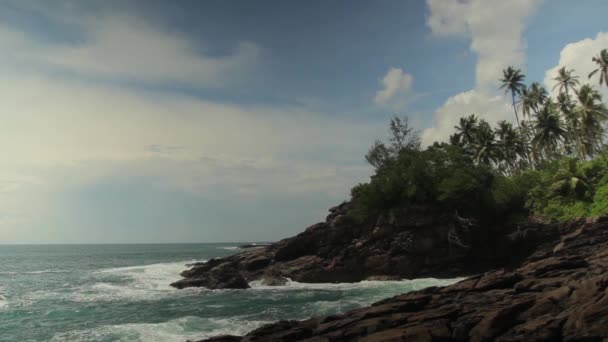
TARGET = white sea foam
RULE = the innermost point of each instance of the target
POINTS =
(142, 282)
(406, 284)
(175, 330)
(348, 295)
(3, 299)
(35, 272)
(230, 248)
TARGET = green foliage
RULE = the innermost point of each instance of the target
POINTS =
(509, 195)
(568, 189)
(441, 176)
(553, 165)
(600, 201)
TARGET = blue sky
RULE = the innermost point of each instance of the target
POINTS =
(191, 121)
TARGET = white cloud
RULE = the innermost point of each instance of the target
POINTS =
(61, 133)
(578, 56)
(495, 28)
(491, 108)
(125, 48)
(395, 83)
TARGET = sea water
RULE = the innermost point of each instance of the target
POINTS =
(122, 293)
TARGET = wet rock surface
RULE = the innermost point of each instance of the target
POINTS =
(557, 293)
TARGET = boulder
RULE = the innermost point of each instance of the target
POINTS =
(220, 277)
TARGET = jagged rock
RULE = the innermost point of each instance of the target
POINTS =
(549, 296)
(220, 277)
(398, 244)
(257, 263)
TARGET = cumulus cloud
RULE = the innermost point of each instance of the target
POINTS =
(487, 107)
(126, 48)
(578, 56)
(395, 83)
(495, 28)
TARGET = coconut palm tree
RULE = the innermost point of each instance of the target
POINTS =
(532, 99)
(571, 119)
(511, 144)
(485, 147)
(512, 81)
(602, 62)
(466, 129)
(592, 114)
(527, 102)
(539, 94)
(568, 180)
(566, 81)
(549, 130)
(527, 134)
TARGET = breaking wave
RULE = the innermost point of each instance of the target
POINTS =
(143, 282)
(180, 329)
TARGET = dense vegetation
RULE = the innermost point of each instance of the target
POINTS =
(553, 164)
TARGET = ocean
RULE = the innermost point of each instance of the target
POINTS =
(122, 293)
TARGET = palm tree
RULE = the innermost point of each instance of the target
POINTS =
(527, 134)
(549, 130)
(512, 81)
(572, 121)
(510, 143)
(566, 81)
(602, 61)
(528, 102)
(568, 180)
(592, 114)
(539, 94)
(532, 99)
(486, 150)
(466, 129)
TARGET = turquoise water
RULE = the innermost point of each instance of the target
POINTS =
(122, 293)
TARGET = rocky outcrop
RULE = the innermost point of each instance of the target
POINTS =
(399, 244)
(558, 293)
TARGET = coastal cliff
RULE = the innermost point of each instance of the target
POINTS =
(557, 293)
(394, 245)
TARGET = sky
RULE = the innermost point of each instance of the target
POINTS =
(145, 121)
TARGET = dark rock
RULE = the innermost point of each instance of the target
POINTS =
(398, 244)
(257, 263)
(561, 296)
(220, 277)
(223, 338)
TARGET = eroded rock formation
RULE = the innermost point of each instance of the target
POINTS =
(558, 293)
(407, 244)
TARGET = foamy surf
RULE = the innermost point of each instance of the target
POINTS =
(230, 248)
(35, 272)
(114, 294)
(3, 302)
(180, 329)
(323, 299)
(406, 284)
(140, 282)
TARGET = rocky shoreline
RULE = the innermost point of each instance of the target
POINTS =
(557, 293)
(412, 243)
